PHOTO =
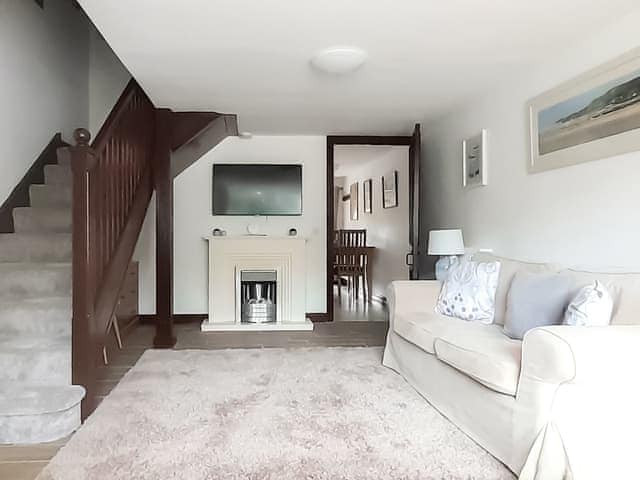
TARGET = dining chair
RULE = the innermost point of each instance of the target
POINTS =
(352, 238)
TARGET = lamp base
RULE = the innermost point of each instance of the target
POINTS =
(443, 265)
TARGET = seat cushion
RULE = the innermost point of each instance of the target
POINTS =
(487, 355)
(422, 329)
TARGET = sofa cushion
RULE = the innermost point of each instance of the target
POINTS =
(537, 300)
(623, 287)
(469, 291)
(508, 269)
(487, 356)
(422, 329)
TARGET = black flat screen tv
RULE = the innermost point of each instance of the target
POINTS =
(257, 189)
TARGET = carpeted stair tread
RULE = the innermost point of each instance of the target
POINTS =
(24, 399)
(36, 315)
(37, 401)
(50, 195)
(57, 174)
(35, 359)
(42, 219)
(35, 247)
(20, 280)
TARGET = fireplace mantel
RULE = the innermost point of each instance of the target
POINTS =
(229, 255)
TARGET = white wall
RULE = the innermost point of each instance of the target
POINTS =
(107, 79)
(585, 215)
(43, 79)
(56, 74)
(145, 255)
(193, 220)
(387, 228)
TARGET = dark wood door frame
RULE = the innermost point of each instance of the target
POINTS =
(332, 141)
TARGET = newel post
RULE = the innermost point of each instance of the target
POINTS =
(163, 184)
(83, 344)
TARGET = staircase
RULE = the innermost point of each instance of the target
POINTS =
(62, 269)
(38, 403)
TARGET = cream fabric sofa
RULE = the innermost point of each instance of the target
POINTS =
(563, 403)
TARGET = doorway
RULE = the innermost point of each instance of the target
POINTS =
(372, 221)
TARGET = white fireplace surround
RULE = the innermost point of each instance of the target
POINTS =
(230, 255)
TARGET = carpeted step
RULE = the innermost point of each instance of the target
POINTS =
(32, 359)
(38, 413)
(50, 195)
(35, 247)
(19, 280)
(31, 219)
(36, 316)
(57, 174)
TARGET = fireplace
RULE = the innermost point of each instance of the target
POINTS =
(257, 284)
(258, 296)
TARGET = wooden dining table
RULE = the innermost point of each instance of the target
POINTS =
(367, 253)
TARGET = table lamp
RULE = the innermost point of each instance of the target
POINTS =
(448, 244)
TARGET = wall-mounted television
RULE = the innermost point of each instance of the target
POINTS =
(257, 189)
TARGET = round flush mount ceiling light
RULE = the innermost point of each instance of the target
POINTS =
(339, 60)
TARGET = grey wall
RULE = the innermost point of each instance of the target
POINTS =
(55, 73)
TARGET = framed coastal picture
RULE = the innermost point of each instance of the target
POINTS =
(474, 160)
(353, 201)
(367, 194)
(594, 116)
(390, 189)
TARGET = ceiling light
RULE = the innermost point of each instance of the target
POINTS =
(339, 60)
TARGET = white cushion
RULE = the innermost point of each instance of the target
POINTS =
(488, 356)
(469, 291)
(422, 329)
(623, 287)
(591, 307)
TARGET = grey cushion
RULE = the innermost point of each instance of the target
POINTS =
(536, 300)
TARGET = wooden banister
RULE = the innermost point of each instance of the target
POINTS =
(111, 191)
(113, 179)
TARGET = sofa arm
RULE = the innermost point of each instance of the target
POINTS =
(568, 354)
(412, 296)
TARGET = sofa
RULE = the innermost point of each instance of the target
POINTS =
(563, 403)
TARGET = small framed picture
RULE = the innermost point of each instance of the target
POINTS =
(353, 201)
(390, 189)
(367, 190)
(474, 160)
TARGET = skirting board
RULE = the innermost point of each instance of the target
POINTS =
(150, 319)
(207, 326)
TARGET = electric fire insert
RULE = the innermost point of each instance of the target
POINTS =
(258, 296)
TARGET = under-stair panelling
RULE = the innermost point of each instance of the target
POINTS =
(37, 401)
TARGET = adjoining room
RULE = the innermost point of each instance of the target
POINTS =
(371, 185)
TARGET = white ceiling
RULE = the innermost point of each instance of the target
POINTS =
(251, 57)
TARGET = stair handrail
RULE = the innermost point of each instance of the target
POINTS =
(112, 186)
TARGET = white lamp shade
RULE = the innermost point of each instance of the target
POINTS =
(446, 242)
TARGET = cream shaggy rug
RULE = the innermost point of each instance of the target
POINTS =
(321, 413)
